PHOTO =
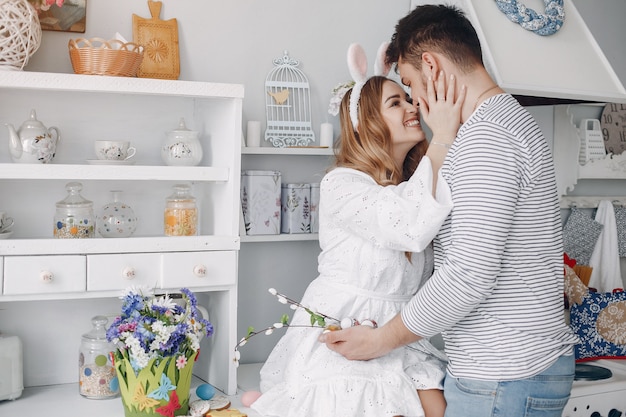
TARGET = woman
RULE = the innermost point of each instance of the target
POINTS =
(377, 218)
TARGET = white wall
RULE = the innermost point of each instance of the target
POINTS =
(235, 41)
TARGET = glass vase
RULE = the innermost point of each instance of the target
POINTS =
(116, 219)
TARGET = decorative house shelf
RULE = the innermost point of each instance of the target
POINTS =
(38, 272)
(567, 147)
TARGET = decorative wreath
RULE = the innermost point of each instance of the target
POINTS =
(544, 24)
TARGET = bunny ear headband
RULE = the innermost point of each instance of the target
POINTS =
(357, 64)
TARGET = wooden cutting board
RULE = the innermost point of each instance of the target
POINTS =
(160, 41)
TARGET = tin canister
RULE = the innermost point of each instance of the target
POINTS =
(260, 202)
(296, 207)
(315, 201)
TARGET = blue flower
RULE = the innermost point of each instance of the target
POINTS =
(144, 320)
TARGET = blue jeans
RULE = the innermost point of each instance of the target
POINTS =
(543, 395)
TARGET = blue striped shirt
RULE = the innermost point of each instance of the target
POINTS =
(497, 291)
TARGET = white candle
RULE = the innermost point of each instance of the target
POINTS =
(254, 134)
(326, 135)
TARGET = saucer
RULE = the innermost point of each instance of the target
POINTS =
(6, 235)
(110, 162)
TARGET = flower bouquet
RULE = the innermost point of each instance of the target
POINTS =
(157, 342)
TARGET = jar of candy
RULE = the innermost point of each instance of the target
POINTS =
(74, 218)
(181, 213)
(97, 378)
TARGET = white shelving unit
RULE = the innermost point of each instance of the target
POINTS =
(84, 275)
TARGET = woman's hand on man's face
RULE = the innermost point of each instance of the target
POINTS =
(441, 110)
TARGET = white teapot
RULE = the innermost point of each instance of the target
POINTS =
(33, 142)
(182, 147)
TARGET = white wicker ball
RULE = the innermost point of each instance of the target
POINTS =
(20, 33)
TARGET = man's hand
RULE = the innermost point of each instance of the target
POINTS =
(355, 343)
(364, 342)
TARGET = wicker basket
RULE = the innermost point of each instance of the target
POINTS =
(97, 56)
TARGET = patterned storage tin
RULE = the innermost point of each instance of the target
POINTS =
(260, 202)
(315, 201)
(296, 208)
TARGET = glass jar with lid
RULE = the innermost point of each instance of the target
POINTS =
(74, 218)
(181, 212)
(97, 378)
(116, 218)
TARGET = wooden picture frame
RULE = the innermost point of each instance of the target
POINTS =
(71, 17)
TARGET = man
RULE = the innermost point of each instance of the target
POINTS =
(497, 291)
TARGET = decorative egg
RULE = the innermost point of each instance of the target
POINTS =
(205, 391)
(348, 322)
(370, 323)
(248, 397)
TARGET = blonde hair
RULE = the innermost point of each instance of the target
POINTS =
(370, 149)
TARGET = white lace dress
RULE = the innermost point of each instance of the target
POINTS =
(365, 230)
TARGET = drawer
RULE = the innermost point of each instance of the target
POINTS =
(199, 269)
(44, 274)
(119, 271)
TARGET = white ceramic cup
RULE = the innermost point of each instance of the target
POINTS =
(6, 222)
(114, 150)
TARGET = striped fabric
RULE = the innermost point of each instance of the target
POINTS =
(497, 291)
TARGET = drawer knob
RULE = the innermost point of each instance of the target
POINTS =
(199, 271)
(128, 272)
(46, 276)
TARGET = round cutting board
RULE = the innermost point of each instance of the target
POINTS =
(613, 123)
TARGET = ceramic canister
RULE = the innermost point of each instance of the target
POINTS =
(182, 147)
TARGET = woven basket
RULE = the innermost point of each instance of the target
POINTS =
(20, 33)
(97, 56)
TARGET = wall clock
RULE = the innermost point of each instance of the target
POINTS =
(613, 122)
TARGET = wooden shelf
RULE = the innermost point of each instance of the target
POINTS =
(51, 246)
(312, 151)
(279, 238)
(43, 81)
(63, 400)
(112, 172)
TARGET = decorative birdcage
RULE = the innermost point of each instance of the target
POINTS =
(288, 105)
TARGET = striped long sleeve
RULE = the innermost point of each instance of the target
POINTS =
(497, 291)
